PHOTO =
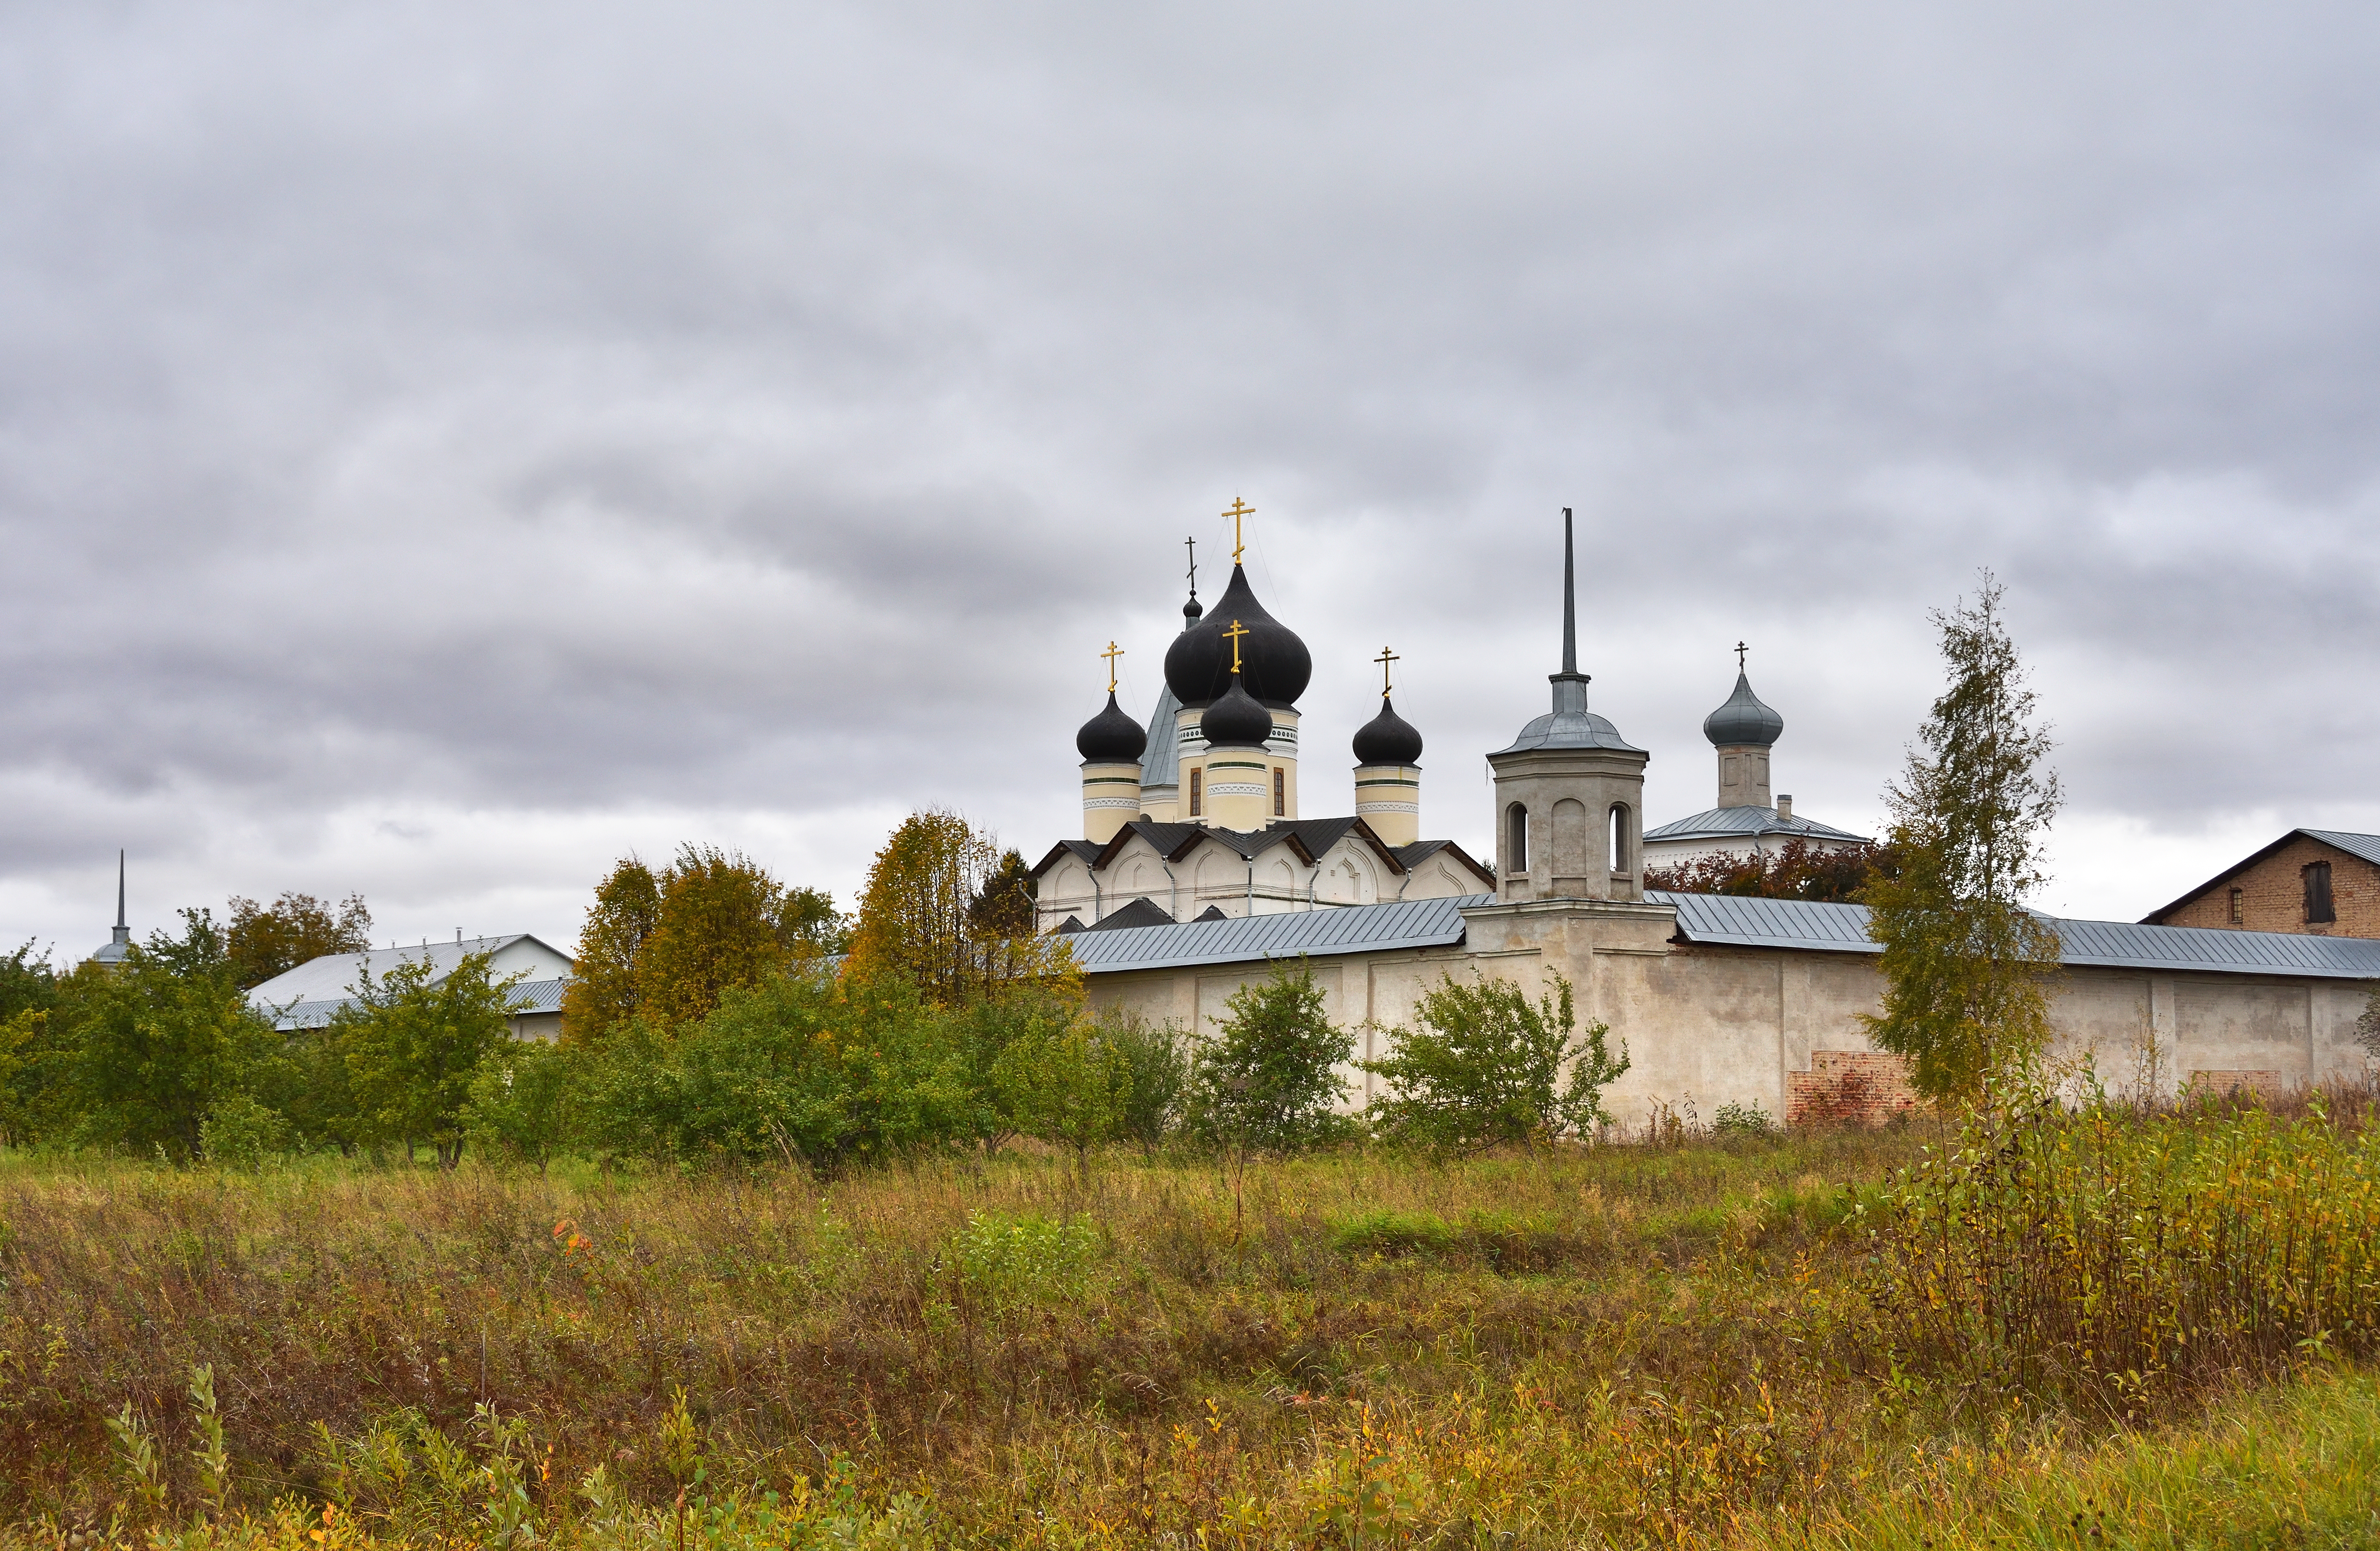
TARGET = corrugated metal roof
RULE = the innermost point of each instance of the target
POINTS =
(1367, 928)
(331, 978)
(530, 996)
(1727, 823)
(2129, 945)
(2365, 846)
(1842, 929)
(1709, 919)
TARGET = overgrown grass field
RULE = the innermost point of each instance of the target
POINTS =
(2052, 1331)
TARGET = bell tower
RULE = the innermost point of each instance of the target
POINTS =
(1570, 791)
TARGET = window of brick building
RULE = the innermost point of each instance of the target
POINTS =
(1197, 791)
(2238, 907)
(1280, 792)
(2317, 893)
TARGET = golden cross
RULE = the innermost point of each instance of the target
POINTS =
(1239, 510)
(1386, 658)
(1112, 652)
(1235, 632)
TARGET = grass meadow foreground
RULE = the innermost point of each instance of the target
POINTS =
(2105, 1330)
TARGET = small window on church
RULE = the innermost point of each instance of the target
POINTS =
(1280, 792)
(1197, 791)
(2238, 907)
(2317, 893)
(1516, 839)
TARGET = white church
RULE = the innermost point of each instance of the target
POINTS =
(1195, 817)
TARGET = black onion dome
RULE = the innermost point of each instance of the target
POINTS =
(1190, 612)
(1743, 720)
(1387, 739)
(1235, 719)
(1274, 663)
(1111, 737)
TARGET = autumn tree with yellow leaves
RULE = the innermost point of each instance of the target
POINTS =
(665, 946)
(945, 909)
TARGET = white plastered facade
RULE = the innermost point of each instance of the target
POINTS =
(1213, 873)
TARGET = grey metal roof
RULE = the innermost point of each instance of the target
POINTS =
(1709, 919)
(1842, 929)
(1750, 923)
(331, 978)
(1743, 720)
(530, 996)
(538, 996)
(1733, 823)
(2365, 846)
(1160, 765)
(1363, 929)
(1570, 724)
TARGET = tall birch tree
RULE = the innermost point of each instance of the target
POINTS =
(1965, 963)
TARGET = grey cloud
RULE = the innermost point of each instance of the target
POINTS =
(575, 411)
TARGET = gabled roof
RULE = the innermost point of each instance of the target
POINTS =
(2366, 847)
(1421, 851)
(331, 978)
(1842, 929)
(1363, 929)
(1139, 913)
(1309, 838)
(530, 996)
(1740, 823)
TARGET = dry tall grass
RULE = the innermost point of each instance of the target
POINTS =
(1653, 1346)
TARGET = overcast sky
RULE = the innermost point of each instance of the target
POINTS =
(446, 447)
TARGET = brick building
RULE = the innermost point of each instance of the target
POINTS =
(2323, 883)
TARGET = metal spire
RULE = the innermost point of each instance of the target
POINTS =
(1570, 601)
(123, 931)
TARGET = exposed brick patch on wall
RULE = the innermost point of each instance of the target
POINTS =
(2272, 895)
(1848, 1088)
(2265, 1085)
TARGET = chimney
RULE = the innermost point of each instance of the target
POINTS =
(1784, 805)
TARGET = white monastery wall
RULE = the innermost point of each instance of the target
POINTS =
(1708, 1026)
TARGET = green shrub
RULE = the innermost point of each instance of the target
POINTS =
(804, 1068)
(522, 1105)
(1484, 1067)
(1269, 1080)
(1156, 1062)
(238, 1133)
(1742, 1120)
(1025, 1257)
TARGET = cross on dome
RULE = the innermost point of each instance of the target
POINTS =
(1240, 509)
(1233, 635)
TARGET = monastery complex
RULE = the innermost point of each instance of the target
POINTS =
(1197, 871)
